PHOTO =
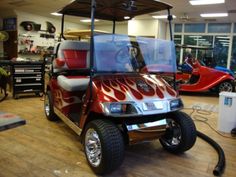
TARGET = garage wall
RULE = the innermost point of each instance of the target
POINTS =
(143, 28)
(120, 28)
(151, 28)
(35, 35)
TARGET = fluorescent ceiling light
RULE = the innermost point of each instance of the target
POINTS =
(195, 36)
(126, 17)
(199, 39)
(162, 16)
(215, 15)
(206, 2)
(56, 14)
(221, 40)
(88, 20)
(223, 37)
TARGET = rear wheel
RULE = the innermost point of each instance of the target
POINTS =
(180, 134)
(48, 107)
(226, 86)
(104, 146)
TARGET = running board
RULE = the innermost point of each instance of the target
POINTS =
(67, 121)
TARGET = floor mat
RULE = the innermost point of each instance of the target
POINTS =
(9, 120)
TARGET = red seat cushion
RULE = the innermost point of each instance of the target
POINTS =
(75, 59)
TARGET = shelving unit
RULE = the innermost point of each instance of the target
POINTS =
(27, 77)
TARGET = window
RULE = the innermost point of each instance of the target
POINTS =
(177, 40)
(190, 40)
(219, 28)
(235, 28)
(220, 52)
(178, 28)
(194, 28)
(233, 55)
(199, 40)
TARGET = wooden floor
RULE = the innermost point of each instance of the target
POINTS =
(47, 149)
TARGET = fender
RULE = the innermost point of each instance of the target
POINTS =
(209, 78)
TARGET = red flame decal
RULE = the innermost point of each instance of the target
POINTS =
(119, 94)
(113, 84)
(129, 81)
(106, 88)
(69, 100)
(149, 82)
(162, 88)
(136, 93)
(159, 93)
(170, 91)
(123, 88)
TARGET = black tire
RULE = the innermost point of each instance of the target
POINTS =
(105, 140)
(48, 107)
(181, 133)
(226, 86)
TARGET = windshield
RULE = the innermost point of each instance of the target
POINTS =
(121, 53)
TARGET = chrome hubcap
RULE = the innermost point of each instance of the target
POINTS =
(46, 105)
(93, 147)
(174, 137)
(226, 86)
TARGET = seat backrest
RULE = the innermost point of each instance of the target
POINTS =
(71, 55)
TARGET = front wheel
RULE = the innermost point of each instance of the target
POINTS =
(226, 86)
(48, 107)
(103, 145)
(180, 134)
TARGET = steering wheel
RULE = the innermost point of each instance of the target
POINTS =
(126, 53)
(123, 56)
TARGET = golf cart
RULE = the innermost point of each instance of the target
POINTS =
(111, 91)
(196, 75)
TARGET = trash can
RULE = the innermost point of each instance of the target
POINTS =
(227, 112)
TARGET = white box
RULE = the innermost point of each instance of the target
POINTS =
(227, 112)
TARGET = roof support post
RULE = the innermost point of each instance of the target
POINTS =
(62, 27)
(170, 18)
(93, 8)
(114, 27)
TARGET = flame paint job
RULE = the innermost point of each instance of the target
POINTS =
(65, 101)
(127, 88)
(115, 88)
(136, 88)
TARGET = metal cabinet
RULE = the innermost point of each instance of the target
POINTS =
(27, 77)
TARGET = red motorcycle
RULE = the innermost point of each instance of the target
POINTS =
(101, 91)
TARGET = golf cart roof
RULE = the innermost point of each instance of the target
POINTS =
(114, 10)
(193, 47)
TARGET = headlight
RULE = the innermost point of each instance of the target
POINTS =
(176, 104)
(119, 108)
